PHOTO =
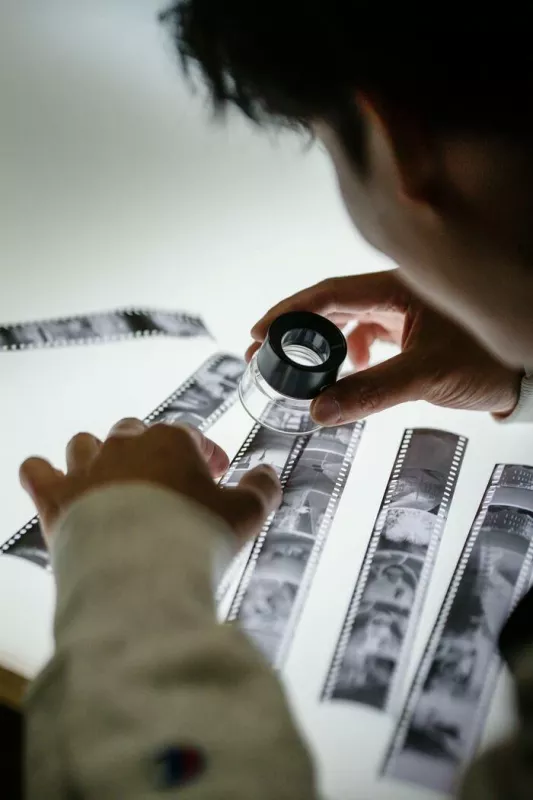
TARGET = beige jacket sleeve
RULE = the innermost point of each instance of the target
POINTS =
(147, 696)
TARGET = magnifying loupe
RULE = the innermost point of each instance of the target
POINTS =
(300, 357)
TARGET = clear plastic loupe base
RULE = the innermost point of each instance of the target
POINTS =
(287, 415)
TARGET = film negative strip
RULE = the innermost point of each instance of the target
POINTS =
(100, 327)
(264, 446)
(372, 651)
(443, 718)
(261, 446)
(273, 587)
(200, 402)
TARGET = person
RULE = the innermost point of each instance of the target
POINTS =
(433, 171)
(429, 128)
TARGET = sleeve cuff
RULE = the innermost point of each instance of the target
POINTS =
(523, 411)
(128, 532)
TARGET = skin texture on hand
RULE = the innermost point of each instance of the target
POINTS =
(177, 457)
(438, 361)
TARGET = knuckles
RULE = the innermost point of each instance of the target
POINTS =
(160, 431)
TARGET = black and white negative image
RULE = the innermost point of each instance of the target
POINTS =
(277, 417)
(395, 572)
(197, 402)
(449, 701)
(312, 482)
(273, 582)
(169, 323)
(29, 544)
(103, 326)
(205, 395)
(269, 598)
(264, 447)
(62, 331)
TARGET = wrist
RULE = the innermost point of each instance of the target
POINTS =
(115, 539)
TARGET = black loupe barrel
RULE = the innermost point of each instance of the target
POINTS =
(302, 354)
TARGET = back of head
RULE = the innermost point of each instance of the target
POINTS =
(458, 67)
(426, 111)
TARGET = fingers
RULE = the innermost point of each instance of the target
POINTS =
(81, 451)
(216, 458)
(247, 507)
(336, 296)
(252, 350)
(340, 319)
(212, 455)
(188, 442)
(397, 380)
(41, 481)
(361, 340)
(129, 426)
(359, 343)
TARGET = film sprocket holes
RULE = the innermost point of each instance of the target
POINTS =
(454, 684)
(300, 357)
(279, 569)
(373, 649)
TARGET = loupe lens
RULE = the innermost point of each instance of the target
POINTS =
(273, 410)
(301, 356)
(305, 347)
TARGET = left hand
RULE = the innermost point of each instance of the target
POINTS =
(174, 457)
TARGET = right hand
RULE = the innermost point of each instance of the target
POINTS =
(174, 457)
(439, 362)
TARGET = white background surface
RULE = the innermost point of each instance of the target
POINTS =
(114, 191)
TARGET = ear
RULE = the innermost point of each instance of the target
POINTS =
(406, 144)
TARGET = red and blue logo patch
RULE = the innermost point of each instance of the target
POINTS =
(177, 766)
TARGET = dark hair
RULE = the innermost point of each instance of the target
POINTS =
(294, 61)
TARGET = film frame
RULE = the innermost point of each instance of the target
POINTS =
(313, 478)
(261, 446)
(199, 401)
(100, 327)
(371, 656)
(447, 706)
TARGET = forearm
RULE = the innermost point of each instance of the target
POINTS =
(145, 668)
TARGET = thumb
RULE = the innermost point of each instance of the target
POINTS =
(247, 507)
(398, 380)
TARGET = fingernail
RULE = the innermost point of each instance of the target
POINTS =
(327, 411)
